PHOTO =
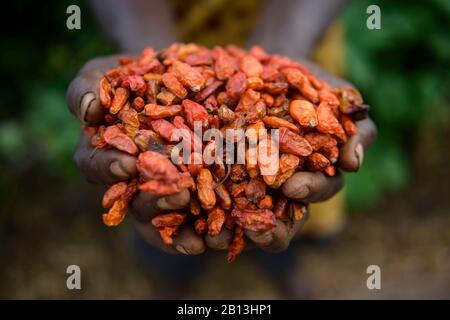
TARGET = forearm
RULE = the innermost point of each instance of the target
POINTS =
(134, 24)
(293, 27)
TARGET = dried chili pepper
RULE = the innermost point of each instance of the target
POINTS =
(113, 193)
(162, 177)
(237, 244)
(172, 83)
(266, 202)
(255, 190)
(147, 99)
(304, 112)
(317, 162)
(281, 207)
(205, 189)
(105, 92)
(195, 112)
(115, 214)
(293, 143)
(225, 66)
(251, 66)
(165, 129)
(236, 85)
(275, 122)
(120, 98)
(154, 111)
(223, 196)
(216, 218)
(188, 76)
(168, 219)
(201, 226)
(116, 138)
(327, 122)
(258, 220)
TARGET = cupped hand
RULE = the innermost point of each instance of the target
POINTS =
(107, 166)
(310, 187)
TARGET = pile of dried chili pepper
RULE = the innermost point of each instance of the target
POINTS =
(149, 97)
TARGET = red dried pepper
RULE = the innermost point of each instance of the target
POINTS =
(216, 218)
(258, 220)
(205, 189)
(237, 244)
(304, 112)
(120, 98)
(327, 122)
(115, 137)
(195, 112)
(149, 98)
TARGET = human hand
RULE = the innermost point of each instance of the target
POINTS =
(309, 187)
(107, 166)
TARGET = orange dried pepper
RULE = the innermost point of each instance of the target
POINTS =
(162, 177)
(165, 129)
(348, 125)
(172, 83)
(223, 196)
(205, 189)
(116, 138)
(317, 162)
(237, 244)
(194, 206)
(172, 219)
(304, 112)
(216, 218)
(251, 66)
(154, 111)
(116, 213)
(255, 190)
(201, 226)
(105, 92)
(327, 122)
(293, 143)
(266, 202)
(113, 193)
(275, 122)
(236, 85)
(195, 112)
(188, 76)
(120, 98)
(225, 66)
(259, 220)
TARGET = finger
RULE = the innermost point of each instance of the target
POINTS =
(277, 239)
(83, 95)
(151, 235)
(310, 187)
(352, 153)
(103, 165)
(186, 241)
(221, 241)
(145, 205)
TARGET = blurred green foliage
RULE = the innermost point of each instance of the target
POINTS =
(403, 72)
(39, 59)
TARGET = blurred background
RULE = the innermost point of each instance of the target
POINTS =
(397, 206)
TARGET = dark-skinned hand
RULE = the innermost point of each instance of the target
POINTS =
(109, 166)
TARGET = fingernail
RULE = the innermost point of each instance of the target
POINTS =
(262, 239)
(301, 192)
(172, 202)
(359, 152)
(117, 170)
(85, 104)
(181, 249)
(163, 204)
